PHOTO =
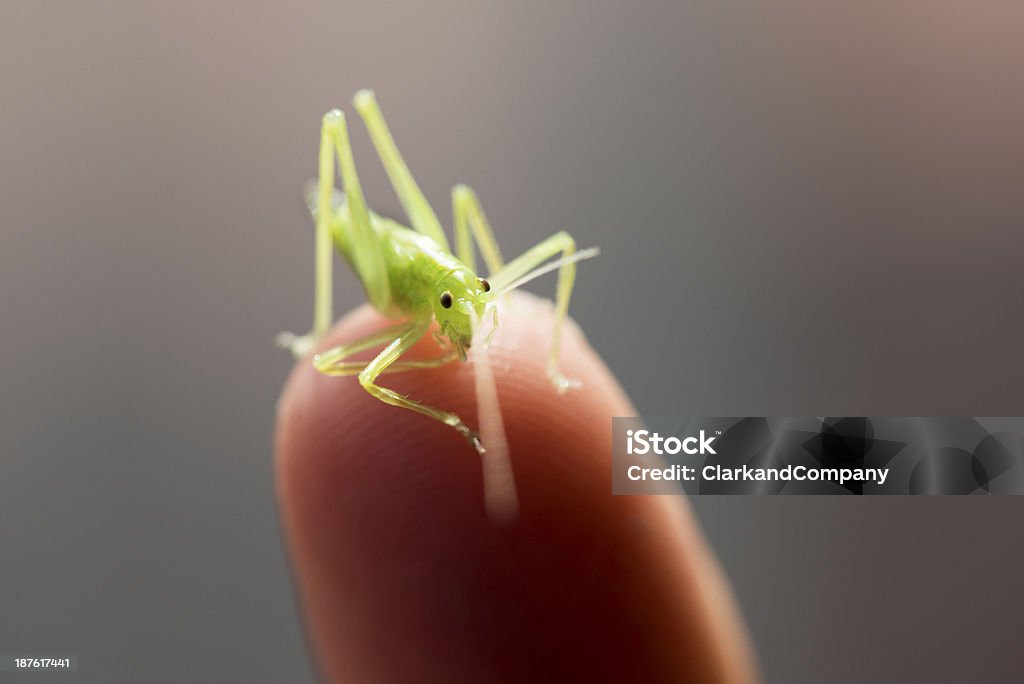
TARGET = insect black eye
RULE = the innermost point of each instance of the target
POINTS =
(446, 299)
(484, 285)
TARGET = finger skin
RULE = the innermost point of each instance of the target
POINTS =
(401, 576)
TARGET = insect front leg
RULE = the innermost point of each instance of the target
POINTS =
(332, 361)
(471, 223)
(388, 357)
(523, 264)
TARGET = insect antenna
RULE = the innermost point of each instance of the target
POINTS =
(500, 498)
(547, 268)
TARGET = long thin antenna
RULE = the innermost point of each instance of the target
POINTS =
(548, 268)
(499, 482)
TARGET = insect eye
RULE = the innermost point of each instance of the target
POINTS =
(446, 299)
(484, 285)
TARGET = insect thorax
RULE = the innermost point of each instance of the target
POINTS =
(419, 270)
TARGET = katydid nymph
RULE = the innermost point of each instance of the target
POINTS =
(411, 274)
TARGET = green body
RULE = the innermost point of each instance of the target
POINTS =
(418, 269)
(412, 274)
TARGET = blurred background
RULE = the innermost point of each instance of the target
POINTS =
(803, 209)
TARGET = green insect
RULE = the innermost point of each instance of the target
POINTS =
(412, 275)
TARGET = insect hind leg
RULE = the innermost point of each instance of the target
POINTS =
(324, 204)
(367, 256)
(420, 213)
(345, 217)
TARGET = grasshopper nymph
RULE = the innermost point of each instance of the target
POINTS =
(410, 274)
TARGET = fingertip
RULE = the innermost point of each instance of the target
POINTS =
(403, 576)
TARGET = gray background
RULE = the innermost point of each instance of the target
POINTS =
(805, 209)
